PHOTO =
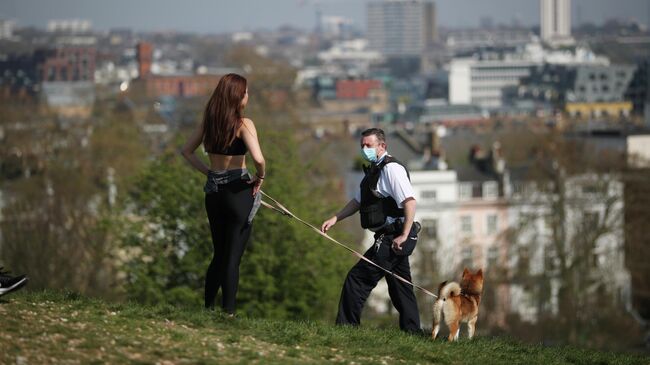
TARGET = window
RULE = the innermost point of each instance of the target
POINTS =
(467, 256)
(477, 190)
(493, 256)
(490, 190)
(550, 263)
(491, 224)
(428, 195)
(430, 228)
(51, 75)
(466, 224)
(518, 188)
(592, 189)
(524, 260)
(465, 191)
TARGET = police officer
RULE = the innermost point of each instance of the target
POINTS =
(386, 204)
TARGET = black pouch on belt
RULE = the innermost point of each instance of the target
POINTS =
(411, 240)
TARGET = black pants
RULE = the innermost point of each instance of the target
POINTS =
(228, 211)
(363, 277)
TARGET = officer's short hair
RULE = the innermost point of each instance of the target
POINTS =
(381, 137)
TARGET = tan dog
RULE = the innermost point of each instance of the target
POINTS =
(458, 303)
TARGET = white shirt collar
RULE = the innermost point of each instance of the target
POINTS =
(381, 158)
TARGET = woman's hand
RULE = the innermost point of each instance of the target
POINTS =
(257, 183)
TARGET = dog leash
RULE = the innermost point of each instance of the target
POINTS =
(286, 212)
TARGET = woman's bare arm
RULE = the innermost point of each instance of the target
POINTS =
(190, 146)
(249, 135)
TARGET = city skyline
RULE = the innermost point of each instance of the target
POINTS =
(203, 16)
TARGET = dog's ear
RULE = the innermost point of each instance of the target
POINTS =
(465, 272)
(479, 272)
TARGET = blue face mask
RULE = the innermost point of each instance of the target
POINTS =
(369, 154)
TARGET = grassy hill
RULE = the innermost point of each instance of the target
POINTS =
(54, 327)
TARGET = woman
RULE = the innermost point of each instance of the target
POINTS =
(231, 197)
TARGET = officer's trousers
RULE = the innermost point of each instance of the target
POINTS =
(363, 277)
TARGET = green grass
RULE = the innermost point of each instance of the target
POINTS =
(55, 327)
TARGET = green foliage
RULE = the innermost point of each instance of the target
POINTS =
(58, 187)
(287, 270)
(165, 242)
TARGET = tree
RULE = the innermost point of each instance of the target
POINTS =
(569, 243)
(57, 180)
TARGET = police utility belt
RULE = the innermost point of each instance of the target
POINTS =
(385, 234)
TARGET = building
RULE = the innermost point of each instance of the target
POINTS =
(637, 240)
(481, 82)
(69, 26)
(353, 56)
(67, 63)
(470, 39)
(356, 89)
(361, 104)
(580, 90)
(7, 28)
(401, 28)
(600, 91)
(336, 27)
(441, 112)
(637, 91)
(181, 84)
(555, 21)
(482, 78)
(63, 76)
(20, 78)
(144, 56)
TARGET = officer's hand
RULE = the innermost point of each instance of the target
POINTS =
(398, 241)
(328, 224)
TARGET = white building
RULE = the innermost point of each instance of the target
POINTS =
(469, 39)
(69, 26)
(479, 82)
(555, 21)
(6, 28)
(593, 217)
(336, 27)
(354, 54)
(398, 28)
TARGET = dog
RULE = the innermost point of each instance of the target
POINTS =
(458, 303)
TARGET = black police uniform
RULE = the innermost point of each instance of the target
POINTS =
(363, 276)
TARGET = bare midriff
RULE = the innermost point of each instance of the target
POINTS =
(226, 162)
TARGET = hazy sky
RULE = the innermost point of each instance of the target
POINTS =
(215, 16)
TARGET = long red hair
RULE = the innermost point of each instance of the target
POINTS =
(223, 113)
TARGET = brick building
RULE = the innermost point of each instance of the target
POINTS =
(68, 63)
(356, 89)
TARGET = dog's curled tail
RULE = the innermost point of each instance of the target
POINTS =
(447, 290)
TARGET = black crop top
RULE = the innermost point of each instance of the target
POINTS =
(237, 148)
